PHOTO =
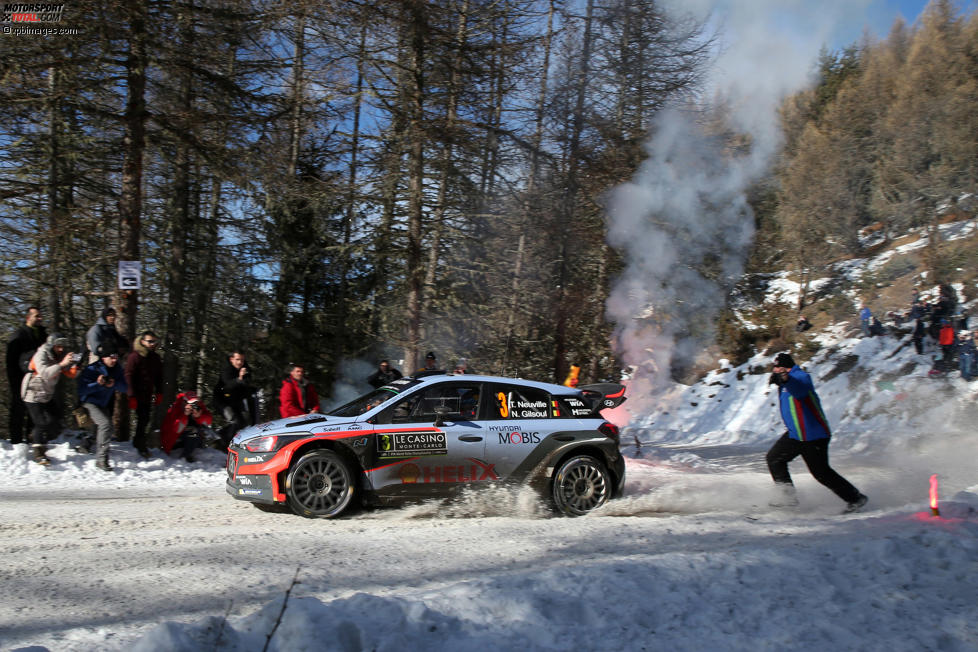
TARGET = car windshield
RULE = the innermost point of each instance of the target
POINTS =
(369, 401)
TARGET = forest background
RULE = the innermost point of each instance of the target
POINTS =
(333, 181)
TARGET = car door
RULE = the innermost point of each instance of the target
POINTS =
(518, 419)
(416, 456)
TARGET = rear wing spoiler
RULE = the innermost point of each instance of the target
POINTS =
(603, 396)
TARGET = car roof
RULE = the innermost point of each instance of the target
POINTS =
(552, 388)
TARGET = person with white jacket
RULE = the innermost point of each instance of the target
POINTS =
(50, 363)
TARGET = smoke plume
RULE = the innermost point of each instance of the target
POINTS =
(683, 222)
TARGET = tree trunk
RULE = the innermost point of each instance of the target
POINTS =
(560, 365)
(133, 146)
(414, 270)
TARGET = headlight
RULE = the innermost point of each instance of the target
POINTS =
(262, 444)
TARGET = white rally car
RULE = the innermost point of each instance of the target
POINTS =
(428, 437)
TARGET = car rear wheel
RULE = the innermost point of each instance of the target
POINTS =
(319, 485)
(580, 484)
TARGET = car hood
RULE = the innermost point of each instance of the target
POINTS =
(291, 425)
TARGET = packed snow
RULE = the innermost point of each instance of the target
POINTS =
(154, 556)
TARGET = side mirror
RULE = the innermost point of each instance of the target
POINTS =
(440, 412)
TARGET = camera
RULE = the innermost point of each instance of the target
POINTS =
(194, 404)
(76, 358)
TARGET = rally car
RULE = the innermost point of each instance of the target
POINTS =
(429, 437)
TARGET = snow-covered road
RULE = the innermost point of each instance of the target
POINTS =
(677, 564)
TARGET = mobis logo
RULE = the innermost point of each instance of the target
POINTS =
(31, 12)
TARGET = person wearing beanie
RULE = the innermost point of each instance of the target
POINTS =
(808, 434)
(430, 363)
(52, 361)
(104, 332)
(97, 387)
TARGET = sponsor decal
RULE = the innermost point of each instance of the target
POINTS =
(477, 471)
(506, 428)
(253, 460)
(411, 444)
(577, 407)
(518, 437)
(360, 443)
(245, 480)
(249, 492)
(409, 473)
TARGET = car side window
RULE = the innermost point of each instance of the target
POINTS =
(460, 400)
(516, 402)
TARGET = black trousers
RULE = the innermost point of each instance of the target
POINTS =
(20, 422)
(816, 456)
(47, 421)
(143, 410)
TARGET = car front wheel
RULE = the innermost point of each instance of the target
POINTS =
(319, 485)
(580, 484)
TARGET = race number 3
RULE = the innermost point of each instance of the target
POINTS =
(503, 405)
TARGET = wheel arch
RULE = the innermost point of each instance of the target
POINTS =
(585, 449)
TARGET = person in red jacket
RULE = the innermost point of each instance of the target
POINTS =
(185, 425)
(297, 396)
(947, 341)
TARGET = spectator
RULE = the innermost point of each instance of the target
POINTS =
(144, 380)
(97, 387)
(187, 426)
(104, 332)
(919, 331)
(430, 363)
(966, 355)
(573, 376)
(385, 375)
(864, 316)
(462, 367)
(802, 325)
(876, 328)
(946, 340)
(808, 435)
(20, 349)
(918, 310)
(297, 396)
(235, 395)
(38, 388)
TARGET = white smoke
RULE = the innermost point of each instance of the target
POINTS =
(686, 208)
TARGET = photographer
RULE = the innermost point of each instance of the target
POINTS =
(38, 389)
(186, 425)
(235, 395)
(97, 387)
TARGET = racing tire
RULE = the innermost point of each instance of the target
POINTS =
(320, 485)
(580, 485)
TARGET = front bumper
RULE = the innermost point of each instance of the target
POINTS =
(243, 484)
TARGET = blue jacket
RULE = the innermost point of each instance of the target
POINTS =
(89, 391)
(865, 314)
(801, 408)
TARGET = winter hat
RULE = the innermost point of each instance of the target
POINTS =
(106, 349)
(430, 356)
(108, 311)
(784, 360)
(54, 339)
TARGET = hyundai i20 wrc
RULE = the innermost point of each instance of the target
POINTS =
(429, 437)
